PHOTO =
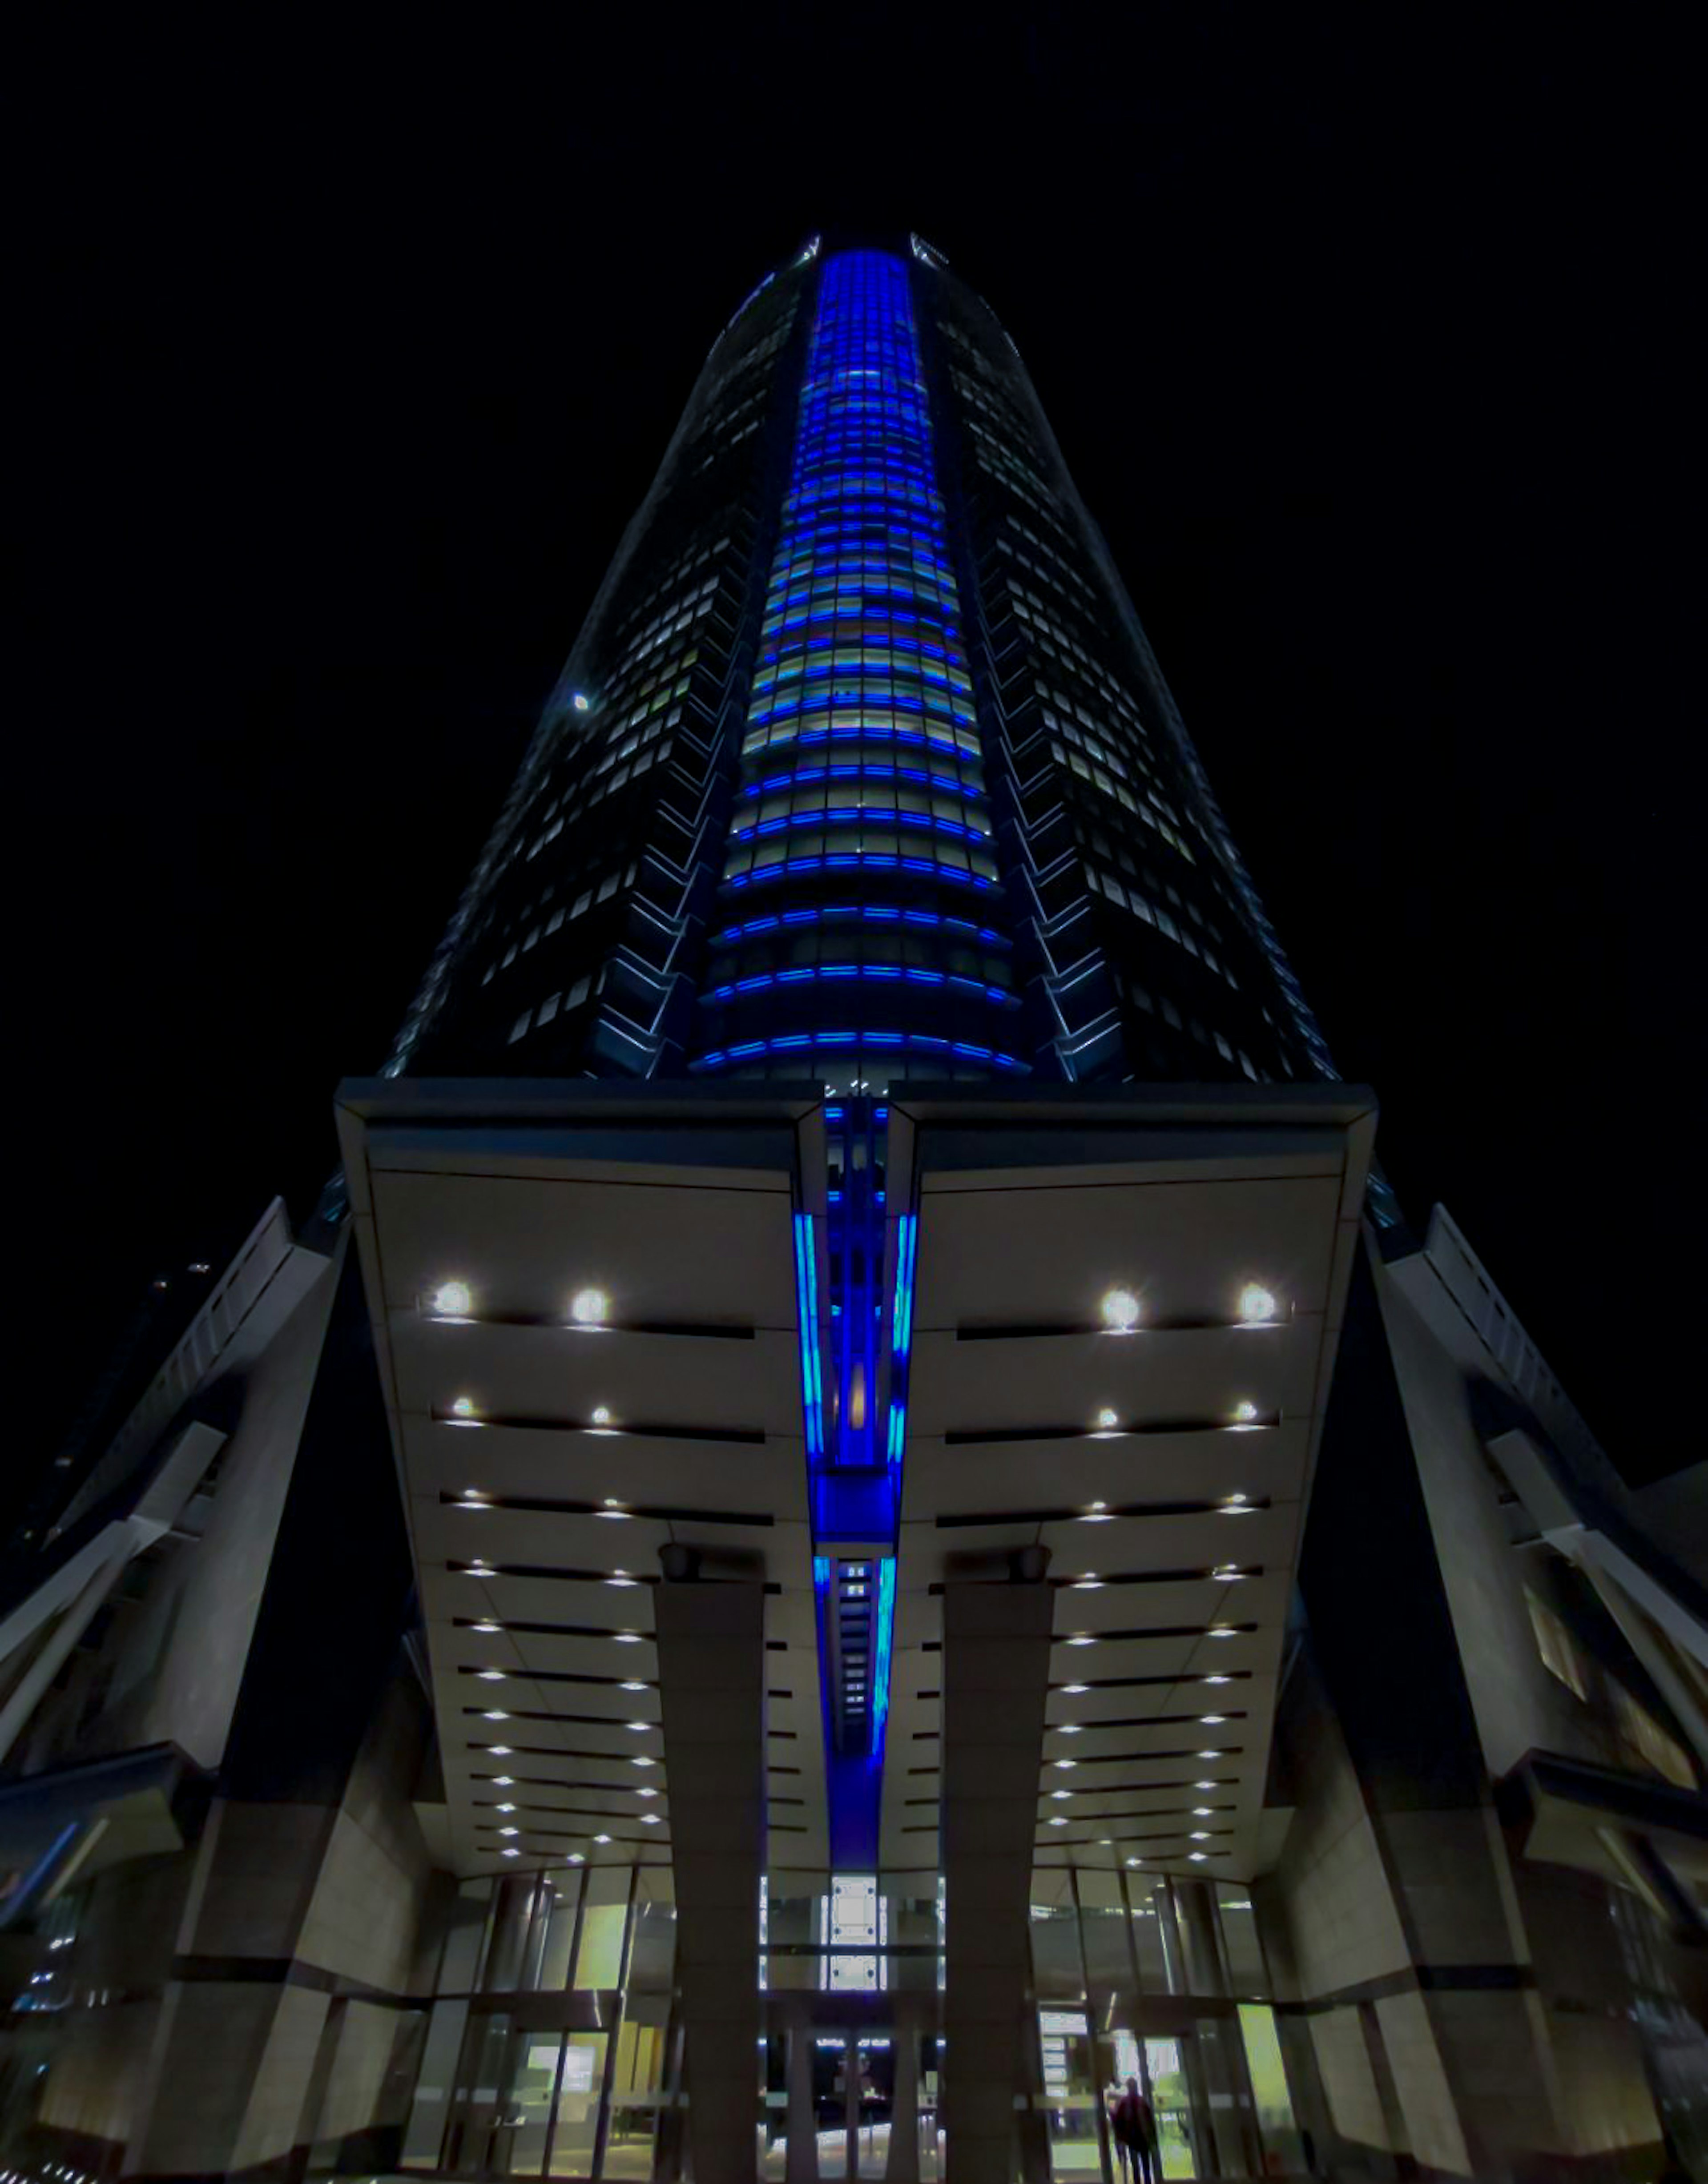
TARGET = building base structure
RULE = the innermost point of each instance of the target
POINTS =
(1370, 1845)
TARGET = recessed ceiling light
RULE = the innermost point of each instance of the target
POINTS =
(643, 1761)
(1245, 1412)
(622, 1577)
(1061, 1793)
(509, 1831)
(1212, 1720)
(641, 1687)
(1058, 1819)
(589, 1308)
(600, 1419)
(1082, 1638)
(1067, 1763)
(452, 1300)
(576, 1858)
(1228, 1573)
(1091, 1582)
(1106, 1420)
(506, 1809)
(1222, 1631)
(1257, 1304)
(627, 1637)
(496, 1713)
(601, 1839)
(646, 1793)
(1120, 1310)
(1199, 1835)
(580, 701)
(1216, 1680)
(639, 1728)
(503, 1781)
(1203, 1811)
(486, 1628)
(1072, 1728)
(1209, 1755)
(490, 1675)
(1132, 1861)
(1206, 1785)
(1197, 1857)
(463, 1407)
(1075, 1691)
(509, 1851)
(500, 1751)
(649, 1821)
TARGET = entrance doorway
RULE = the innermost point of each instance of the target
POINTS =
(834, 2087)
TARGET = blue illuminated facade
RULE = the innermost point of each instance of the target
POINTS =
(863, 783)
(862, 774)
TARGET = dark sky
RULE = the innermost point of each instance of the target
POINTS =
(349, 352)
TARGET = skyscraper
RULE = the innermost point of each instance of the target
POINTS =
(861, 770)
(952, 1549)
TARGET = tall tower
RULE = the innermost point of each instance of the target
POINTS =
(861, 771)
(952, 1551)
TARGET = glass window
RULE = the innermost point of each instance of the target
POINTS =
(1282, 2149)
(599, 1960)
(577, 2123)
(1556, 1645)
(1056, 1968)
(1245, 1958)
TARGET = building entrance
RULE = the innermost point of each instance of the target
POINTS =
(848, 2101)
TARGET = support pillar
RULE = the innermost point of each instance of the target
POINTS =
(904, 2164)
(995, 1678)
(800, 2154)
(711, 1695)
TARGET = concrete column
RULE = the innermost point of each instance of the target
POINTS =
(995, 1676)
(903, 2166)
(801, 2155)
(711, 1694)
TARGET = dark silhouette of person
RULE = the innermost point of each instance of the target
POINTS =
(1135, 2130)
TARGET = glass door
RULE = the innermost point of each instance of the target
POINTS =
(1171, 2105)
(1072, 2093)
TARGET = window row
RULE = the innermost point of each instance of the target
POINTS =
(836, 848)
(536, 1019)
(821, 725)
(1129, 898)
(675, 579)
(1160, 1004)
(876, 761)
(563, 915)
(839, 944)
(837, 914)
(839, 800)
(1141, 806)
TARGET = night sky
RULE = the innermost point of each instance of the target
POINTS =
(347, 356)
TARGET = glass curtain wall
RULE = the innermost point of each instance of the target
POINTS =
(862, 779)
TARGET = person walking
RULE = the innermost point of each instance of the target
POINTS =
(1135, 2131)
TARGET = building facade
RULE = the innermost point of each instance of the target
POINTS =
(859, 1519)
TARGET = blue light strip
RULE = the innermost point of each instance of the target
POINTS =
(906, 1243)
(807, 1309)
(873, 1042)
(911, 973)
(861, 642)
(881, 1652)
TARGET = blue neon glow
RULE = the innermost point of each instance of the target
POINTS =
(892, 972)
(881, 1651)
(890, 1042)
(906, 1245)
(807, 1309)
